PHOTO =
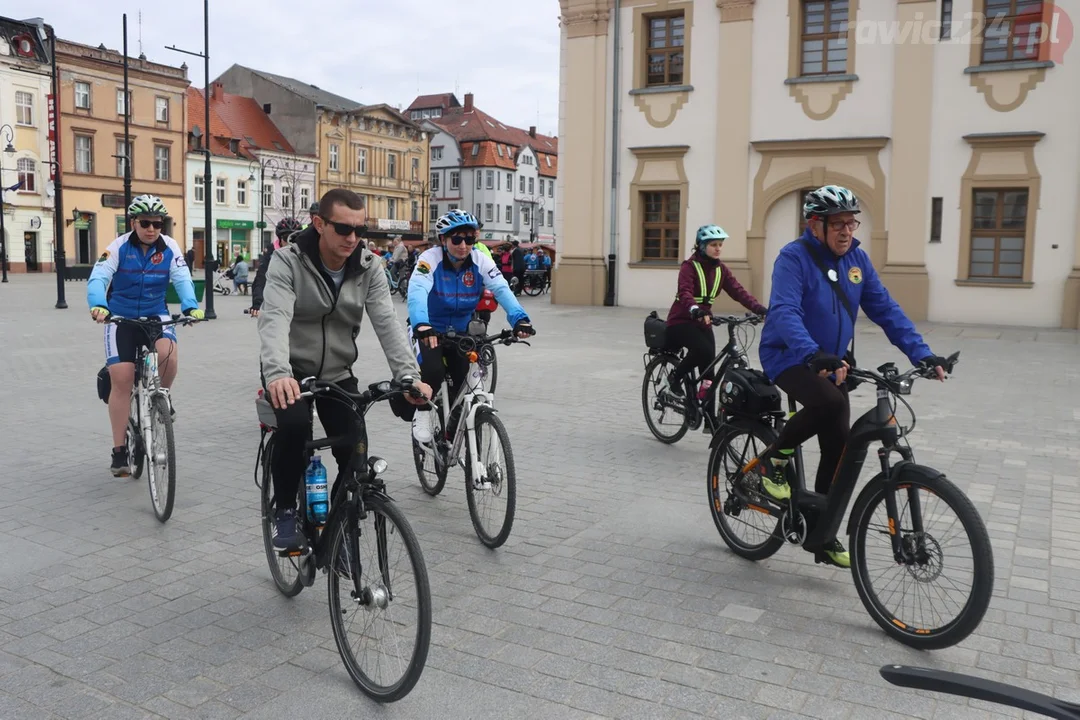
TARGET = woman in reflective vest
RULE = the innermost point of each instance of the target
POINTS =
(689, 322)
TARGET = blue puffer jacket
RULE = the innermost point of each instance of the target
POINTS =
(131, 282)
(445, 298)
(805, 315)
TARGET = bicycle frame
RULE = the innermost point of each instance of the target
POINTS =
(876, 425)
(471, 398)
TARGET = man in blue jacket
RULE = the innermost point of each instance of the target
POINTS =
(819, 281)
(444, 290)
(130, 279)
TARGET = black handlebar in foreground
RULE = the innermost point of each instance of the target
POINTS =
(383, 390)
(899, 383)
(979, 689)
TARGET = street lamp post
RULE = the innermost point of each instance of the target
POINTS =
(274, 166)
(425, 194)
(9, 151)
(209, 258)
(60, 257)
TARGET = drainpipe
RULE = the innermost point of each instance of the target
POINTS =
(609, 298)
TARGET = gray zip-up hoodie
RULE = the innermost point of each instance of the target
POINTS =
(306, 327)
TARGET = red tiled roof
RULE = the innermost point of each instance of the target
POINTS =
(488, 155)
(442, 100)
(477, 126)
(235, 117)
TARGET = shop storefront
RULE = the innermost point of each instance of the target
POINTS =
(233, 238)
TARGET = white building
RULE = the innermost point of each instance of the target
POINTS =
(256, 178)
(25, 92)
(962, 146)
(505, 176)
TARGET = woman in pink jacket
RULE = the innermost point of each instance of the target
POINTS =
(689, 322)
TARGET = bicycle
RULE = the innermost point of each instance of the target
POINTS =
(460, 427)
(812, 520)
(979, 689)
(358, 494)
(401, 284)
(660, 360)
(150, 422)
(535, 282)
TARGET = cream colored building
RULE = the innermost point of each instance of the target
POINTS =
(961, 145)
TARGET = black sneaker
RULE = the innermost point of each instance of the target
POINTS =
(120, 463)
(285, 535)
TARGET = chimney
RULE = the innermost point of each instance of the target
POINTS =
(532, 131)
(468, 102)
(216, 89)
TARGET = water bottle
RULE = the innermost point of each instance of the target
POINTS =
(315, 486)
(704, 388)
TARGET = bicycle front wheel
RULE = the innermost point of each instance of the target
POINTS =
(161, 468)
(923, 599)
(379, 594)
(492, 496)
(655, 399)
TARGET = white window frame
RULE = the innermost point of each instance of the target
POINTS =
(82, 85)
(241, 193)
(334, 156)
(434, 183)
(455, 179)
(122, 150)
(286, 197)
(391, 208)
(161, 103)
(121, 106)
(198, 190)
(361, 161)
(86, 153)
(221, 191)
(24, 108)
(26, 172)
(391, 165)
(305, 198)
(162, 163)
(268, 195)
(490, 182)
(489, 213)
(509, 214)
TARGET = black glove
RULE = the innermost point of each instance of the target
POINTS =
(822, 360)
(696, 312)
(932, 361)
(523, 326)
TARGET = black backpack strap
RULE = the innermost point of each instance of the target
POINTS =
(835, 285)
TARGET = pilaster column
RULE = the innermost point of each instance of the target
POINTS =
(1070, 310)
(907, 216)
(733, 183)
(585, 74)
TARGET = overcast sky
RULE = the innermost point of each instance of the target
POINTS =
(506, 52)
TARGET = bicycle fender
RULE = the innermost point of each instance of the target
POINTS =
(901, 471)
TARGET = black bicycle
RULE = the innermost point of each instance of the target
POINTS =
(689, 411)
(979, 689)
(360, 511)
(895, 508)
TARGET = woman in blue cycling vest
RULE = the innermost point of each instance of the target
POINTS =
(689, 322)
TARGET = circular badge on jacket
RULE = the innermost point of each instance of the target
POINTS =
(468, 279)
(156, 258)
(855, 274)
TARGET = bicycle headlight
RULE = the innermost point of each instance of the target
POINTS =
(378, 465)
(904, 386)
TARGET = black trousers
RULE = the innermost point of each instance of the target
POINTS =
(700, 344)
(434, 372)
(825, 412)
(295, 429)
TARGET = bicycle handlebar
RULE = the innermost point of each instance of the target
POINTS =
(470, 342)
(888, 377)
(152, 321)
(979, 689)
(384, 390)
(733, 320)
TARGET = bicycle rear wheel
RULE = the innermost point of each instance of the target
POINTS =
(652, 398)
(917, 621)
(287, 571)
(430, 460)
(400, 602)
(493, 496)
(161, 468)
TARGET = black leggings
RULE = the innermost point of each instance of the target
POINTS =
(433, 372)
(700, 344)
(825, 412)
(293, 431)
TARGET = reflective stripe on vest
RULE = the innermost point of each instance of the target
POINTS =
(701, 284)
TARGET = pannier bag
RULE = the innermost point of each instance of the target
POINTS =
(655, 332)
(745, 391)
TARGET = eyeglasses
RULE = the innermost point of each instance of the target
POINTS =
(839, 225)
(458, 239)
(147, 224)
(344, 229)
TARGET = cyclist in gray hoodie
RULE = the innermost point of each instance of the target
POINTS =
(317, 290)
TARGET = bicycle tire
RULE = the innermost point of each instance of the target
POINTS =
(532, 289)
(982, 561)
(420, 452)
(489, 374)
(487, 416)
(379, 506)
(161, 416)
(136, 451)
(767, 436)
(288, 589)
(646, 383)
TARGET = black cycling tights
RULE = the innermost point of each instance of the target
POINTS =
(825, 412)
(700, 344)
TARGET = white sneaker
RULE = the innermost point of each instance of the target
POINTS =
(423, 427)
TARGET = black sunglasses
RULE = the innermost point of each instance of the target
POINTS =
(147, 224)
(344, 229)
(458, 239)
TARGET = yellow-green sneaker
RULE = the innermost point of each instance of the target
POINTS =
(834, 553)
(777, 488)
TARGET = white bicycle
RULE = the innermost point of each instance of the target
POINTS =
(150, 427)
(471, 427)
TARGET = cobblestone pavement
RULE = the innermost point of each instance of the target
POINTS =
(614, 596)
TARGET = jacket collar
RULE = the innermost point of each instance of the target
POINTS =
(705, 260)
(158, 246)
(307, 242)
(821, 247)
